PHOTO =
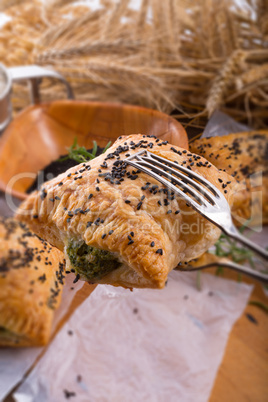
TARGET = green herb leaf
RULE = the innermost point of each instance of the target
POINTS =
(259, 304)
(81, 154)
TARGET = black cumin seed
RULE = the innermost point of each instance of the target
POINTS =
(103, 236)
(57, 198)
(169, 211)
(90, 196)
(89, 224)
(134, 177)
(97, 189)
(177, 212)
(159, 251)
(139, 206)
(110, 232)
(130, 242)
(68, 394)
(251, 318)
(60, 184)
(152, 244)
(132, 234)
(76, 279)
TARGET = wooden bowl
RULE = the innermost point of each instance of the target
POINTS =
(41, 133)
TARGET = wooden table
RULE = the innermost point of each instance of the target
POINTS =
(243, 374)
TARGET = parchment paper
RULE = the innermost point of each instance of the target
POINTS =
(145, 345)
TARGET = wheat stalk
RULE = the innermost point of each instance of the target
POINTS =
(199, 56)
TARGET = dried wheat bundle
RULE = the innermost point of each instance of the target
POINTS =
(190, 56)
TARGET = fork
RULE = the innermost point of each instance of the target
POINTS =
(200, 264)
(198, 192)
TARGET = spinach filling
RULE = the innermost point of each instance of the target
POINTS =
(90, 262)
(4, 331)
(6, 334)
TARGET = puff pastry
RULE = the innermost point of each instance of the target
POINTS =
(119, 226)
(31, 279)
(245, 157)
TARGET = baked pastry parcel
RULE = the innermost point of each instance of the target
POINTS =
(118, 225)
(244, 156)
(31, 279)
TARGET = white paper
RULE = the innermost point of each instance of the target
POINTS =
(146, 345)
(221, 124)
(14, 362)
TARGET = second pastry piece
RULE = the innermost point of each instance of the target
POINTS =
(31, 282)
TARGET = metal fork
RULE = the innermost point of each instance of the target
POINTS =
(198, 192)
(199, 264)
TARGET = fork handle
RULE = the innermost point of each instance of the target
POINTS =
(236, 235)
(259, 276)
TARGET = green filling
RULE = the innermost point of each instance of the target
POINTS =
(4, 331)
(8, 335)
(90, 262)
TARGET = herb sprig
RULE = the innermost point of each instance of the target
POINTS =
(227, 247)
(81, 154)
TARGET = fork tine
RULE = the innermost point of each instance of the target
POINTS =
(185, 179)
(188, 199)
(197, 196)
(197, 177)
(217, 194)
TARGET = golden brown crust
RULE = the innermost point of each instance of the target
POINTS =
(31, 278)
(242, 155)
(165, 231)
